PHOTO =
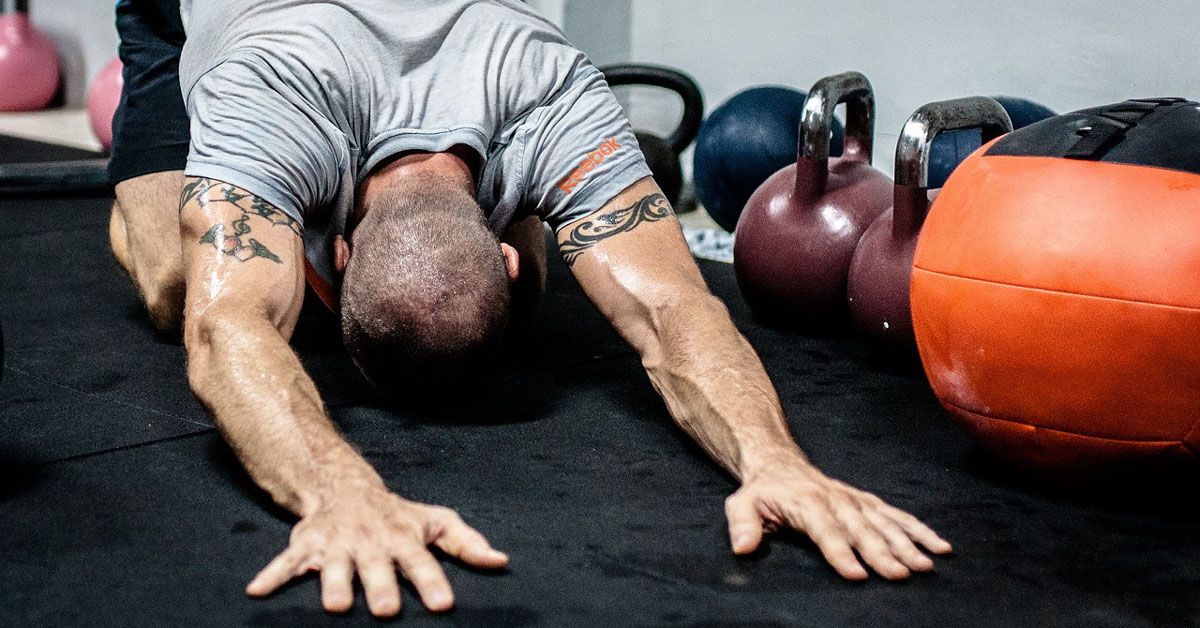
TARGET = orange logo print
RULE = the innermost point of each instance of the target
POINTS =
(594, 159)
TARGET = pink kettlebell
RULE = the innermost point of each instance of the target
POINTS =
(28, 64)
(103, 97)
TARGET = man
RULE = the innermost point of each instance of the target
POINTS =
(377, 148)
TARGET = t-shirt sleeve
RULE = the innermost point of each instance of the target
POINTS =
(570, 157)
(249, 130)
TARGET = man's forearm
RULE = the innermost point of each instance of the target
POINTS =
(715, 386)
(269, 411)
(634, 264)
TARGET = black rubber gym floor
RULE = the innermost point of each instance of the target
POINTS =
(121, 506)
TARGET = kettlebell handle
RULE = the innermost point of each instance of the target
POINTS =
(916, 140)
(853, 89)
(926, 123)
(671, 79)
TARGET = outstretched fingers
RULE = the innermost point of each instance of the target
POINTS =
(371, 535)
(868, 540)
(421, 569)
(899, 544)
(337, 583)
(830, 537)
(915, 529)
(382, 590)
(463, 542)
(278, 572)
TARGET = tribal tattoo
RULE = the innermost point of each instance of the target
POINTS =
(233, 239)
(583, 237)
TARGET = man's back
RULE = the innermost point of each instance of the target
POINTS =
(300, 99)
(379, 67)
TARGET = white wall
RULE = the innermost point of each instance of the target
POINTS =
(600, 28)
(85, 34)
(553, 10)
(1067, 54)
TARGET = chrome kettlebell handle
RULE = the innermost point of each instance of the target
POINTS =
(853, 89)
(933, 119)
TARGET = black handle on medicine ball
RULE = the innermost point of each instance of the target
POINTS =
(666, 78)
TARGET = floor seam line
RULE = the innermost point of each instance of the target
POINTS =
(121, 448)
(123, 404)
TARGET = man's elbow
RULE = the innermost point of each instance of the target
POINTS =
(684, 319)
(164, 303)
(204, 332)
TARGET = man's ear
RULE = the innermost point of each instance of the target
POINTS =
(512, 261)
(341, 253)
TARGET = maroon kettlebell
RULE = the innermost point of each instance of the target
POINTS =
(881, 271)
(797, 234)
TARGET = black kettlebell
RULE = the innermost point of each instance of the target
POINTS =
(662, 154)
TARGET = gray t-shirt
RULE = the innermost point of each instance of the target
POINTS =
(297, 100)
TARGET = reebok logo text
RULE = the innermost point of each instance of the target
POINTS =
(594, 159)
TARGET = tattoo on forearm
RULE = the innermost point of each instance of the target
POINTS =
(233, 239)
(583, 237)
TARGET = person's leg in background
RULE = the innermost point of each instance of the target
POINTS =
(150, 145)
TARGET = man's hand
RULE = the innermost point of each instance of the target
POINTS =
(632, 260)
(840, 519)
(245, 286)
(373, 532)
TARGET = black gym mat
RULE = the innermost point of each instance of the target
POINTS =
(76, 338)
(120, 507)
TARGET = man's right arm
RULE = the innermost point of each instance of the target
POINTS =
(243, 263)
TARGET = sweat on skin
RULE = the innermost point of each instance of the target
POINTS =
(257, 69)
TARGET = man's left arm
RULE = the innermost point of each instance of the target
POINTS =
(632, 260)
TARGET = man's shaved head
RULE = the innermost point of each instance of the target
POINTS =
(425, 296)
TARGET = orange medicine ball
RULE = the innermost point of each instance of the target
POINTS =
(1056, 290)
